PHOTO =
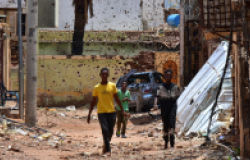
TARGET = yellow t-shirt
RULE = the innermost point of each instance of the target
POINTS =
(105, 94)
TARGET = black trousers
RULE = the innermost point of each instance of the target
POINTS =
(107, 122)
(167, 128)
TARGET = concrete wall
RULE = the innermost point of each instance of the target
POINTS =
(126, 49)
(10, 3)
(153, 12)
(48, 13)
(71, 81)
(112, 14)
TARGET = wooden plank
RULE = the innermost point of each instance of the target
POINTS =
(236, 61)
(240, 95)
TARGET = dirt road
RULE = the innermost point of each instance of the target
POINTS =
(73, 138)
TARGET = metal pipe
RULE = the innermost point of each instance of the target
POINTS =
(20, 48)
(182, 46)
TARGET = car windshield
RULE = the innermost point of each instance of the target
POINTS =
(159, 78)
(143, 78)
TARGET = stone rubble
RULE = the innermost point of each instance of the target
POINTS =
(11, 141)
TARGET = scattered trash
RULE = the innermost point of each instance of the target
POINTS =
(14, 148)
(40, 138)
(62, 114)
(95, 153)
(61, 134)
(18, 130)
(46, 135)
(33, 136)
(51, 110)
(71, 108)
(53, 143)
(4, 125)
(94, 118)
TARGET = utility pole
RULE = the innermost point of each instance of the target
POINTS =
(182, 45)
(31, 62)
(20, 48)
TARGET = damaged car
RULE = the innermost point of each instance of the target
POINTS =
(143, 87)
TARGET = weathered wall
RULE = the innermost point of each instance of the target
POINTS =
(47, 13)
(165, 60)
(65, 80)
(113, 14)
(153, 13)
(71, 81)
(64, 48)
(10, 3)
(63, 86)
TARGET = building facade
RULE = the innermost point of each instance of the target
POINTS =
(116, 37)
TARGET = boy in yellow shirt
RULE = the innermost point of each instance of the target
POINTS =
(106, 92)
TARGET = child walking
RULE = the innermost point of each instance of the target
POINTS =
(124, 96)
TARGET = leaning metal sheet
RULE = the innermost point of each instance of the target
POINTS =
(194, 104)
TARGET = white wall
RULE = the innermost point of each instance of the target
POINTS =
(10, 3)
(110, 14)
(153, 12)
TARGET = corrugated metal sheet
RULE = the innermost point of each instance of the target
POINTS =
(195, 103)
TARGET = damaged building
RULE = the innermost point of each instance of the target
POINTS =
(122, 35)
(208, 23)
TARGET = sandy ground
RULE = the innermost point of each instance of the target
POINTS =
(73, 138)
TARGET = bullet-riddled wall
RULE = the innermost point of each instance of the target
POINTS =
(119, 15)
(64, 82)
(64, 79)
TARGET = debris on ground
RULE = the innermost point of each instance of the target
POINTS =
(14, 148)
(73, 138)
(70, 108)
(19, 130)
